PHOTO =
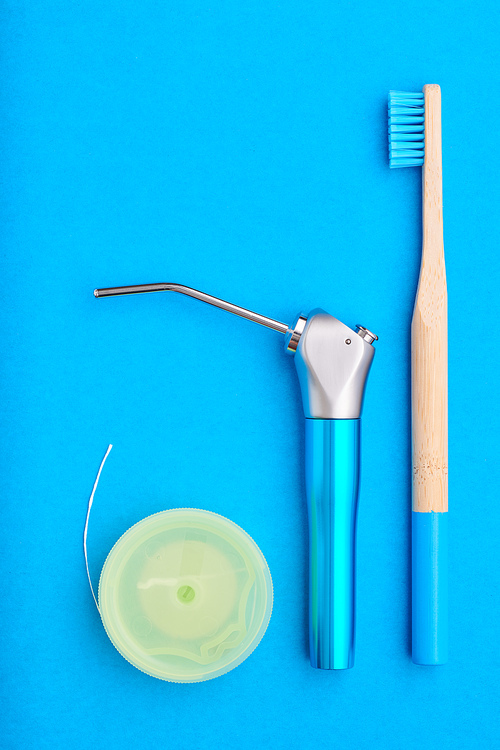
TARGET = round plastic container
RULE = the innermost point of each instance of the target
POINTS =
(185, 595)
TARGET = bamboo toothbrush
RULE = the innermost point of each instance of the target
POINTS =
(415, 140)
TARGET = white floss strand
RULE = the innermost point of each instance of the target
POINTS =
(91, 500)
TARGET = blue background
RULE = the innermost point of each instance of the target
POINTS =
(240, 148)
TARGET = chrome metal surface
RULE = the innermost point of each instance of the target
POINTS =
(365, 334)
(262, 320)
(332, 374)
(293, 336)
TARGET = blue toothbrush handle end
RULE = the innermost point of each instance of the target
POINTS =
(429, 588)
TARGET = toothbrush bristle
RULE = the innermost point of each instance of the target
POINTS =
(406, 129)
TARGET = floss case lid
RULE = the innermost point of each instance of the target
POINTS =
(185, 595)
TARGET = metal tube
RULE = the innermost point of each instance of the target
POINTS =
(332, 485)
(262, 320)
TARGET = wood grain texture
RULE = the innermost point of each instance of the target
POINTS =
(429, 335)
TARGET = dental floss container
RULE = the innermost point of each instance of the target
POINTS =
(185, 595)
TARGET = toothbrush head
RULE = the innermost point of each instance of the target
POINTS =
(406, 129)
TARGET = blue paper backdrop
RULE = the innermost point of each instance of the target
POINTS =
(237, 147)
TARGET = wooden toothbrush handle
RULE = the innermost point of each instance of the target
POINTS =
(429, 333)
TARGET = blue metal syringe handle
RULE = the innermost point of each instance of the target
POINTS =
(332, 363)
(332, 480)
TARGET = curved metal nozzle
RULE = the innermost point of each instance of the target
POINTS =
(262, 320)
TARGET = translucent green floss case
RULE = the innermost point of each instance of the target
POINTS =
(185, 595)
